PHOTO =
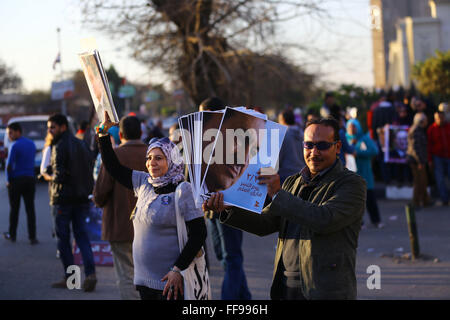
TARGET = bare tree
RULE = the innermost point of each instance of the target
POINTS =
(207, 44)
(8, 78)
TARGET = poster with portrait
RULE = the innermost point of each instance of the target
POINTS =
(246, 143)
(395, 143)
(225, 149)
(97, 81)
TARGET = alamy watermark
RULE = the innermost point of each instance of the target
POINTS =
(374, 280)
(74, 280)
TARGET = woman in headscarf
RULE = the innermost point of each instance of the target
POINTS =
(417, 158)
(156, 255)
(365, 149)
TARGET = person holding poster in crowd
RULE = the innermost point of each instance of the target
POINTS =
(317, 214)
(156, 253)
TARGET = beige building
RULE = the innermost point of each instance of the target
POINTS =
(417, 39)
(385, 17)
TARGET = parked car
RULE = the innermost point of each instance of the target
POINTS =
(3, 154)
(34, 128)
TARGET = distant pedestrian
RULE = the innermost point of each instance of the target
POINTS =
(20, 181)
(347, 148)
(84, 125)
(383, 114)
(417, 158)
(402, 118)
(291, 158)
(71, 184)
(46, 174)
(365, 149)
(118, 203)
(330, 108)
(311, 115)
(439, 153)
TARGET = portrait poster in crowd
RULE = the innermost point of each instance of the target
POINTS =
(396, 143)
(231, 153)
(97, 81)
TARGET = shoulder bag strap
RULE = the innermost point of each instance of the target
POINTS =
(181, 224)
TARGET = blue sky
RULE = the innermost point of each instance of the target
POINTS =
(29, 42)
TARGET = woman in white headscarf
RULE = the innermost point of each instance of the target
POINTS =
(156, 255)
(417, 159)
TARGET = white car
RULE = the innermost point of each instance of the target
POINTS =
(34, 128)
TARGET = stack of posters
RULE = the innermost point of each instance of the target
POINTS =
(98, 85)
(224, 150)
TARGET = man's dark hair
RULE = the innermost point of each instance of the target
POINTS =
(212, 104)
(15, 126)
(313, 112)
(329, 94)
(130, 127)
(288, 116)
(59, 119)
(84, 125)
(328, 122)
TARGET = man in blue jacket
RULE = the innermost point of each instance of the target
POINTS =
(20, 181)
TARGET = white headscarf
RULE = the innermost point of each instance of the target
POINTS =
(175, 165)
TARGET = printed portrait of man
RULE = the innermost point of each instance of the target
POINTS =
(237, 142)
(398, 142)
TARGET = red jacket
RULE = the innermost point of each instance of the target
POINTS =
(438, 141)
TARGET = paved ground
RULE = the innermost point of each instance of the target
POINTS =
(26, 271)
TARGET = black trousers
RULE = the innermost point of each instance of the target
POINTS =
(372, 207)
(152, 294)
(22, 187)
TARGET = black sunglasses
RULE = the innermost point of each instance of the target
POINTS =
(321, 145)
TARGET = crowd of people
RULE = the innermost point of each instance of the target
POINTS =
(314, 203)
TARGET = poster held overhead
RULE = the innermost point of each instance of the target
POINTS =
(98, 85)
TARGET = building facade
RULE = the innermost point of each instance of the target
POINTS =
(385, 17)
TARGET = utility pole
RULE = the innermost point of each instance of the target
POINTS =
(63, 101)
(412, 230)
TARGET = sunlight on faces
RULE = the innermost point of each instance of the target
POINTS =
(318, 160)
(439, 118)
(55, 130)
(156, 163)
(13, 135)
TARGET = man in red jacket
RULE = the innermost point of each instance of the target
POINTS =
(439, 152)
